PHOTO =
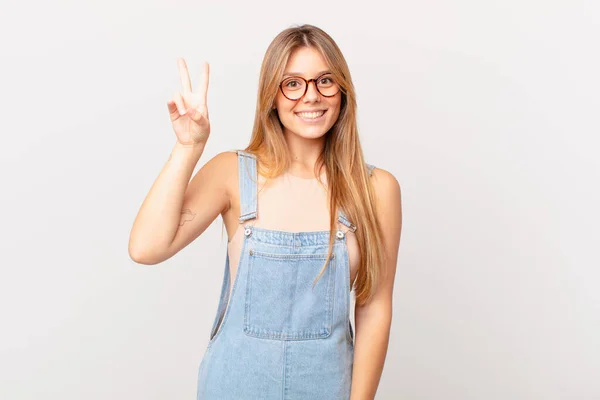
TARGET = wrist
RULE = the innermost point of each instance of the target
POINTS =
(185, 153)
(191, 150)
(189, 147)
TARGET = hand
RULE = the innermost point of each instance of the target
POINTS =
(188, 112)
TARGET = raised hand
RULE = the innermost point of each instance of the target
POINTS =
(188, 111)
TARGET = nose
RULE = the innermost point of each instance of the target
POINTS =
(312, 94)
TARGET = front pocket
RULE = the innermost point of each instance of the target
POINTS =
(281, 302)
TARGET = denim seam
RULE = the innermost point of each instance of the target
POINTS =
(277, 256)
(346, 258)
(229, 304)
(284, 371)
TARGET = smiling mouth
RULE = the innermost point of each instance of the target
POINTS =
(311, 115)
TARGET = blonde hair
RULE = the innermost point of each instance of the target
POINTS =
(348, 180)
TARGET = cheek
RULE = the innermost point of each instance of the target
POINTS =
(336, 107)
(283, 105)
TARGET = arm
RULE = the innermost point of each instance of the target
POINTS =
(373, 320)
(174, 212)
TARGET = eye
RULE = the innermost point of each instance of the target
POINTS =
(326, 81)
(292, 83)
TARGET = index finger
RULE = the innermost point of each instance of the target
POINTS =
(203, 88)
(184, 75)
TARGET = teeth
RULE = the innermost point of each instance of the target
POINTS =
(310, 115)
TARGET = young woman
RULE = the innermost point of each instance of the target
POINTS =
(308, 222)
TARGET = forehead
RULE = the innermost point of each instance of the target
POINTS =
(305, 61)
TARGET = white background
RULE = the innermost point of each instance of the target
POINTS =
(485, 111)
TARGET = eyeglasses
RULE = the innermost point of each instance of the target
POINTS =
(293, 88)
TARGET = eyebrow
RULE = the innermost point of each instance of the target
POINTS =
(299, 74)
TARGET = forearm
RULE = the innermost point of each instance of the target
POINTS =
(159, 216)
(370, 348)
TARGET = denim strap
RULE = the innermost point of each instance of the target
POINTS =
(248, 181)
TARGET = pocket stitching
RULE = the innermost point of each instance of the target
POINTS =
(329, 296)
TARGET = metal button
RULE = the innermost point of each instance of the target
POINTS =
(247, 232)
(340, 234)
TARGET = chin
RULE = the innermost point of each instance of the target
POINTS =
(308, 133)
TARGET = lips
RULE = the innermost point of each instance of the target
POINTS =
(311, 115)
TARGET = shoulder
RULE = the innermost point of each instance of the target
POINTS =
(222, 169)
(222, 164)
(225, 159)
(384, 181)
(387, 190)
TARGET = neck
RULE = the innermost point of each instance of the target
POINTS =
(304, 153)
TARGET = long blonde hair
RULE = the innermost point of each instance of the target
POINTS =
(348, 180)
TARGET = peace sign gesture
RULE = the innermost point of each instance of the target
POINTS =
(188, 111)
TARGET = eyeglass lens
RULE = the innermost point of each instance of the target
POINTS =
(295, 87)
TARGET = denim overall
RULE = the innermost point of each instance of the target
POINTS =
(281, 338)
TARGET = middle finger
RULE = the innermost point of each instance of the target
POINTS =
(184, 76)
(204, 77)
